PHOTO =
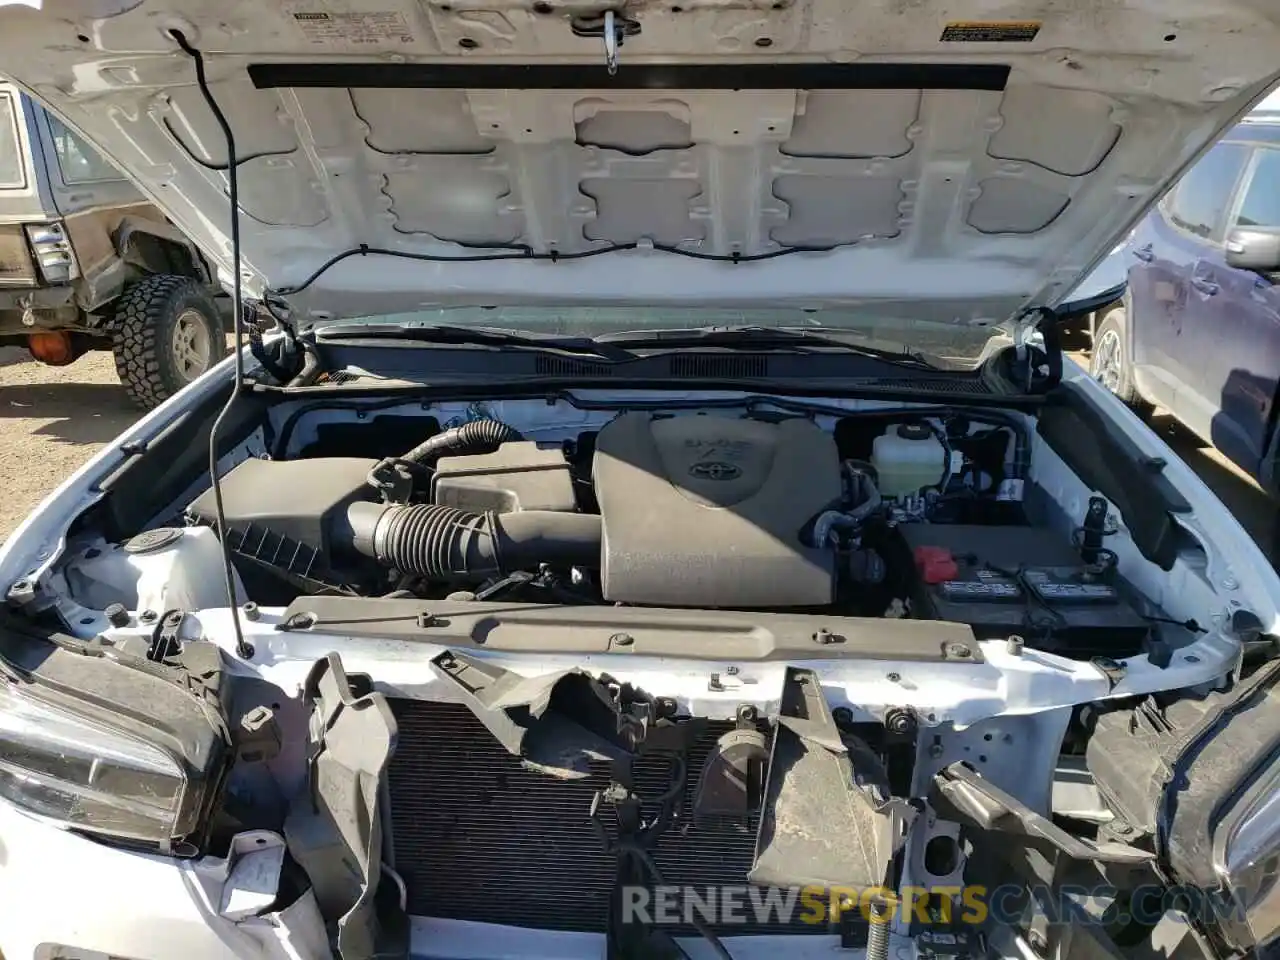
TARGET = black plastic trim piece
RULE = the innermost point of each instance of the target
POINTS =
(635, 76)
(463, 625)
(1108, 461)
(139, 486)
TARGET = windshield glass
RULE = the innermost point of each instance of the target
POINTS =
(950, 344)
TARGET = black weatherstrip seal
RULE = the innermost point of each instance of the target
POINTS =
(635, 76)
(1104, 457)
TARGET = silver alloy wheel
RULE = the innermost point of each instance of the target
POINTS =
(191, 345)
(1107, 364)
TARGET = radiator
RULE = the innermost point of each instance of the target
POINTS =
(477, 837)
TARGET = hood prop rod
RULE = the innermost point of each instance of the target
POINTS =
(244, 649)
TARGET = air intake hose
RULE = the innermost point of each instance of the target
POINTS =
(478, 436)
(443, 543)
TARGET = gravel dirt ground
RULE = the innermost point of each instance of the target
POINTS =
(52, 419)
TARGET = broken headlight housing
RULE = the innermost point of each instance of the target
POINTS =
(86, 774)
(1246, 857)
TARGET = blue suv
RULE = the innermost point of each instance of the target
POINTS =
(1199, 329)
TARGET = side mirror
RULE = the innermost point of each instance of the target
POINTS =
(1255, 250)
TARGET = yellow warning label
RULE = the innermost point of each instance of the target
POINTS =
(997, 31)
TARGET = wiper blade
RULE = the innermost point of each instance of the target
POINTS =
(477, 336)
(763, 338)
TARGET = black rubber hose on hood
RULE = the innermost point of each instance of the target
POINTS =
(478, 436)
(443, 543)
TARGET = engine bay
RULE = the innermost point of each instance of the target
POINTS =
(600, 644)
(877, 516)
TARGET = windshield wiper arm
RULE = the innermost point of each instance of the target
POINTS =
(763, 338)
(477, 336)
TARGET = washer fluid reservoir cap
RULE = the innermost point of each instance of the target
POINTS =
(151, 540)
(914, 431)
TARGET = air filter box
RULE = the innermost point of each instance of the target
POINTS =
(516, 476)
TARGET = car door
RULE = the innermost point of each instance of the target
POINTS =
(1234, 331)
(1167, 295)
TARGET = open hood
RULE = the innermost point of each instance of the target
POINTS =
(958, 161)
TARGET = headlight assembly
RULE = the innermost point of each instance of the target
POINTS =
(69, 768)
(133, 755)
(1246, 857)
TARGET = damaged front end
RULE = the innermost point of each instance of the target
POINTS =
(456, 800)
(622, 802)
(600, 820)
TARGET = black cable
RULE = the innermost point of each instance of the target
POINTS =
(243, 648)
(528, 253)
(210, 165)
(630, 848)
(1032, 599)
(1191, 625)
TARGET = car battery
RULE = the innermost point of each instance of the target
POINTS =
(1019, 581)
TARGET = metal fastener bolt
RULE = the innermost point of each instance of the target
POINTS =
(731, 671)
(251, 611)
(1230, 583)
(893, 677)
(621, 640)
(148, 616)
(22, 591)
(959, 651)
(1015, 645)
(117, 615)
(899, 720)
(936, 751)
(824, 636)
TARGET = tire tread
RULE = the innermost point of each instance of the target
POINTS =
(140, 317)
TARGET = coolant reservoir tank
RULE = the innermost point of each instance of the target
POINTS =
(907, 457)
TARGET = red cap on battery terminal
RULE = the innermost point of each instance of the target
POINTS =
(936, 565)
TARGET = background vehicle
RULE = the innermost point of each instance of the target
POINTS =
(86, 262)
(1199, 330)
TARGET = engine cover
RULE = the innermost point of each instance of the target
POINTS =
(708, 511)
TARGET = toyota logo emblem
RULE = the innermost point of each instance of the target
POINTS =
(715, 470)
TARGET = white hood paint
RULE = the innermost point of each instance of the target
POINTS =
(945, 204)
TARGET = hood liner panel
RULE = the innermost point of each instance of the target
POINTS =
(635, 76)
(949, 179)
